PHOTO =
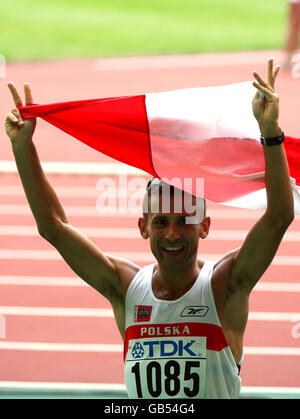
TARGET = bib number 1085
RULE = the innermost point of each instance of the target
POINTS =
(171, 378)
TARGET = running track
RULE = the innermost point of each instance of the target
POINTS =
(60, 331)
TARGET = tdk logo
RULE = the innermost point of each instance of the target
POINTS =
(138, 350)
(163, 348)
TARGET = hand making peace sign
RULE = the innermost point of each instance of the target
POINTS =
(16, 128)
(265, 104)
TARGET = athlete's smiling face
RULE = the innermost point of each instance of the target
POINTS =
(174, 235)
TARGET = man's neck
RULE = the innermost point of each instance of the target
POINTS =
(169, 284)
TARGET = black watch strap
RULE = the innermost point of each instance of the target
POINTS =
(269, 141)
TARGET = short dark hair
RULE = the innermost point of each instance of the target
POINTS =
(158, 187)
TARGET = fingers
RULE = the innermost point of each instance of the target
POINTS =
(12, 118)
(263, 88)
(260, 80)
(276, 71)
(270, 72)
(16, 97)
(15, 94)
(266, 88)
(271, 75)
(15, 117)
(266, 91)
(28, 94)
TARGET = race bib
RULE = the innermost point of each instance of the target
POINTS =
(166, 367)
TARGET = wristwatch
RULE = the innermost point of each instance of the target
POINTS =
(269, 141)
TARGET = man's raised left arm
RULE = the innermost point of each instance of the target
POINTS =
(260, 246)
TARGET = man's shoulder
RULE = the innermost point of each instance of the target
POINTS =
(126, 269)
(226, 260)
(222, 269)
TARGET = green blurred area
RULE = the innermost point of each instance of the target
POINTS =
(42, 29)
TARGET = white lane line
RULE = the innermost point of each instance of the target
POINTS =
(251, 350)
(118, 348)
(78, 168)
(268, 389)
(95, 232)
(108, 313)
(42, 281)
(62, 191)
(78, 282)
(133, 256)
(290, 236)
(185, 61)
(54, 255)
(91, 211)
(81, 211)
(120, 232)
(87, 191)
(273, 316)
(56, 311)
(277, 287)
(59, 386)
(61, 347)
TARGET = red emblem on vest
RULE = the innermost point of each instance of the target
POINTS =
(142, 313)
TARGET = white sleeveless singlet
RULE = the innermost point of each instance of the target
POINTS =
(176, 349)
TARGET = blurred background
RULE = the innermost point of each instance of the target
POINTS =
(34, 30)
(60, 337)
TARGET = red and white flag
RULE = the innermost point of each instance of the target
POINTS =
(195, 133)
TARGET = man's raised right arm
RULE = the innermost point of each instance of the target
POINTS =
(110, 276)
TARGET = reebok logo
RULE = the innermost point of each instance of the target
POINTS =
(194, 311)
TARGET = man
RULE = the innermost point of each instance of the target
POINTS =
(182, 319)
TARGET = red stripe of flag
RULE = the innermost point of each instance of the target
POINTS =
(117, 127)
